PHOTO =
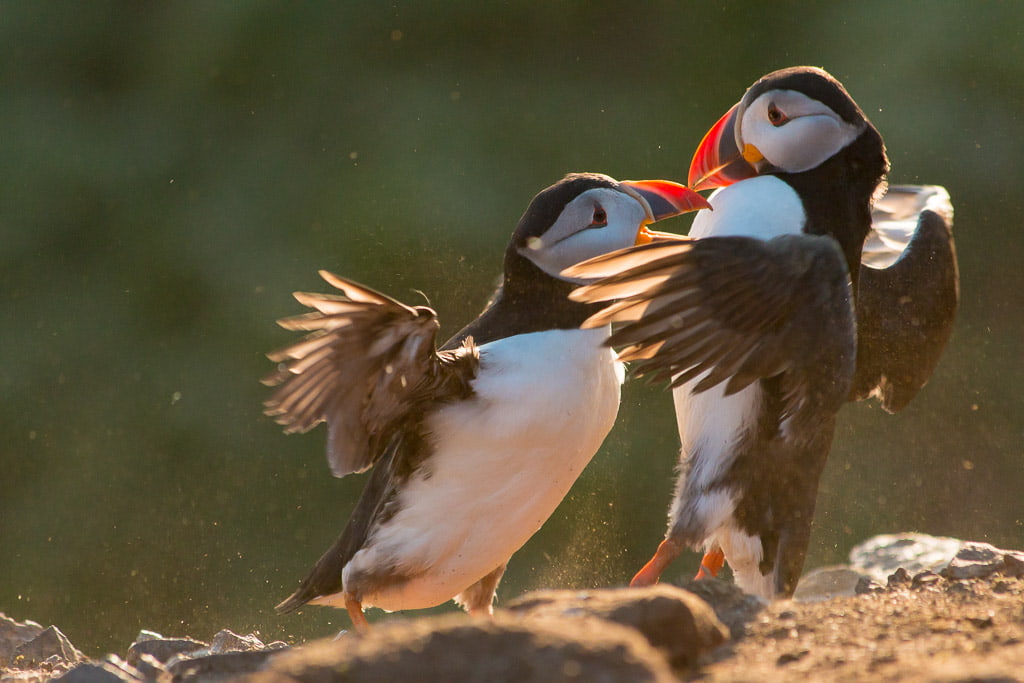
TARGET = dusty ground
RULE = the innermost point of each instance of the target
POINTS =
(936, 630)
(927, 628)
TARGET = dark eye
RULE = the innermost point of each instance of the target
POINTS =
(775, 116)
(600, 218)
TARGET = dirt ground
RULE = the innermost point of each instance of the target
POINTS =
(923, 628)
(931, 630)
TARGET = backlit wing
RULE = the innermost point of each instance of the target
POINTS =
(367, 364)
(908, 294)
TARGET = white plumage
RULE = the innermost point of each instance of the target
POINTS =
(710, 422)
(476, 501)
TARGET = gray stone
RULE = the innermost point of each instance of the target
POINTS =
(48, 643)
(112, 669)
(457, 648)
(900, 577)
(732, 606)
(867, 586)
(163, 649)
(924, 579)
(879, 556)
(29, 676)
(228, 641)
(1014, 564)
(14, 634)
(676, 621)
(974, 561)
(826, 583)
(150, 667)
(212, 667)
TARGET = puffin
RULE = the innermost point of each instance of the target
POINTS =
(474, 443)
(807, 286)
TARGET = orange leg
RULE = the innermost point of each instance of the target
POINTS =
(711, 563)
(667, 551)
(355, 613)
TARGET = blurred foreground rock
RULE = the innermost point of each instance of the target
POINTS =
(902, 595)
(677, 622)
(457, 648)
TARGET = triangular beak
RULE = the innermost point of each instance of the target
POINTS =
(718, 160)
(666, 198)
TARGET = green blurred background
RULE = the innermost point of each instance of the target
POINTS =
(170, 173)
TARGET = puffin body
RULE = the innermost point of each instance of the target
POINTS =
(472, 445)
(758, 318)
(500, 464)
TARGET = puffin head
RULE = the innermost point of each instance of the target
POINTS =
(590, 214)
(789, 121)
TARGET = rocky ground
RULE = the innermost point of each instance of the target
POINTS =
(907, 608)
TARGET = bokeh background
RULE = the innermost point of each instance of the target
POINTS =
(171, 172)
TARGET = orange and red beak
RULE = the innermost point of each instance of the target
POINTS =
(718, 160)
(665, 199)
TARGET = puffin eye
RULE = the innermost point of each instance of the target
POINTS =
(775, 116)
(600, 218)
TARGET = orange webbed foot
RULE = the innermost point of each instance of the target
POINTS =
(711, 564)
(667, 551)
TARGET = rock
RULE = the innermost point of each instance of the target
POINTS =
(49, 642)
(228, 641)
(880, 556)
(924, 579)
(223, 666)
(14, 634)
(900, 577)
(456, 648)
(162, 649)
(732, 606)
(112, 669)
(1014, 562)
(826, 583)
(975, 560)
(32, 676)
(150, 667)
(866, 586)
(674, 620)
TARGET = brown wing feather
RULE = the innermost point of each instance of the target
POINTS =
(732, 309)
(367, 364)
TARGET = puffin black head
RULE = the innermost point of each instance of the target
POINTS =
(789, 121)
(589, 214)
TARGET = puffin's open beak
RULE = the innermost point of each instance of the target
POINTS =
(718, 161)
(665, 199)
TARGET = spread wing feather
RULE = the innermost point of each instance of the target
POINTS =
(731, 309)
(367, 366)
(908, 294)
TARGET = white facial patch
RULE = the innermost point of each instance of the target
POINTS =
(575, 237)
(812, 133)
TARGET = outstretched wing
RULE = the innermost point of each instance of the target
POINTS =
(907, 296)
(368, 364)
(731, 309)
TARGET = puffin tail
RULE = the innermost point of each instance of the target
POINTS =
(291, 603)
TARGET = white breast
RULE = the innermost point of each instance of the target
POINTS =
(502, 463)
(711, 423)
(762, 207)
